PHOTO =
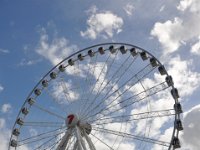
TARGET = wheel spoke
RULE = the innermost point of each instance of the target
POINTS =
(102, 141)
(131, 100)
(133, 80)
(136, 137)
(46, 142)
(100, 91)
(48, 111)
(132, 117)
(107, 95)
(44, 124)
(91, 69)
(29, 141)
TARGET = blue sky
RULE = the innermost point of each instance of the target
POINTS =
(36, 35)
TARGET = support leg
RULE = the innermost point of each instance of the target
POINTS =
(65, 139)
(89, 141)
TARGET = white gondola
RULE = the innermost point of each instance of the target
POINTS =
(169, 80)
(44, 83)
(174, 93)
(178, 108)
(178, 125)
(144, 55)
(70, 62)
(112, 49)
(53, 75)
(91, 53)
(176, 143)
(153, 62)
(133, 52)
(61, 68)
(25, 111)
(31, 101)
(80, 57)
(162, 70)
(37, 92)
(122, 49)
(20, 121)
(16, 132)
(13, 143)
(101, 50)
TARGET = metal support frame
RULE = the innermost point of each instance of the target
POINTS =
(78, 136)
(65, 139)
(80, 144)
(89, 141)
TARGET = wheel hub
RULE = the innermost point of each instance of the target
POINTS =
(72, 120)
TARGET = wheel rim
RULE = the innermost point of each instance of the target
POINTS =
(111, 91)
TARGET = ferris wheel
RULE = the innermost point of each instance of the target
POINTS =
(109, 96)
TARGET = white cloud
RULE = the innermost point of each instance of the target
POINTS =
(63, 92)
(186, 80)
(175, 32)
(2, 123)
(103, 24)
(93, 9)
(165, 34)
(162, 8)
(25, 62)
(33, 132)
(184, 4)
(129, 9)
(190, 136)
(6, 108)
(165, 137)
(56, 50)
(195, 49)
(5, 136)
(4, 51)
(1, 88)
(192, 5)
(111, 139)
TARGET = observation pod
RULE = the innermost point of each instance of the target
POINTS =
(16, 132)
(169, 80)
(13, 143)
(62, 68)
(122, 49)
(178, 125)
(20, 121)
(144, 55)
(80, 57)
(176, 143)
(37, 92)
(101, 50)
(98, 97)
(25, 111)
(178, 108)
(44, 83)
(91, 53)
(133, 52)
(70, 62)
(31, 101)
(162, 70)
(112, 49)
(153, 62)
(53, 75)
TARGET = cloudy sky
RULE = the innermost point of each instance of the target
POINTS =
(36, 35)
